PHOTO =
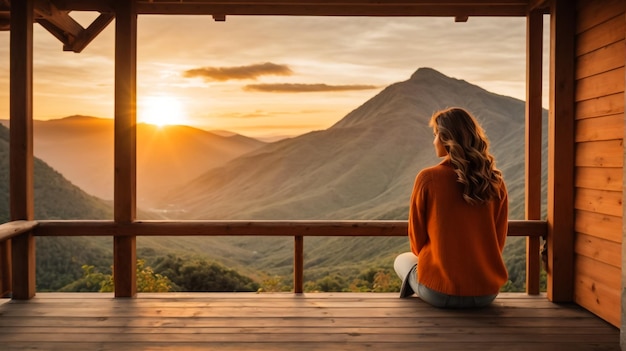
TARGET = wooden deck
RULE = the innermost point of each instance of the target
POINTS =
(284, 321)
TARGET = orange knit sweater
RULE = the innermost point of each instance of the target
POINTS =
(459, 246)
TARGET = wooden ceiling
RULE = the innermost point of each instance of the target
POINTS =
(55, 15)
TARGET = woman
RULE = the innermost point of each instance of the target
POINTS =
(457, 220)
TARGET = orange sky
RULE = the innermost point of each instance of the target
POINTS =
(264, 76)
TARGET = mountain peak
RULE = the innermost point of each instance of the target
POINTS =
(76, 118)
(426, 73)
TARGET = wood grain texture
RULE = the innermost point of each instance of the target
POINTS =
(609, 127)
(561, 152)
(599, 115)
(283, 321)
(602, 34)
(536, 228)
(600, 106)
(14, 228)
(599, 225)
(598, 288)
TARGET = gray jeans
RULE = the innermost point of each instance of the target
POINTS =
(405, 266)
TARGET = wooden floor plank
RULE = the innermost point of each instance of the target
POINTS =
(283, 321)
(338, 312)
(334, 337)
(321, 346)
(314, 331)
(247, 322)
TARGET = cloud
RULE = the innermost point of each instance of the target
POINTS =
(222, 74)
(304, 88)
(269, 114)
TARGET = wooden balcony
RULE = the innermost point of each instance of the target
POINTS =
(308, 321)
(284, 321)
(281, 321)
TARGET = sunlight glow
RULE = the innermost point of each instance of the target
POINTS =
(161, 110)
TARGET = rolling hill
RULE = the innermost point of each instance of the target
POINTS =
(81, 148)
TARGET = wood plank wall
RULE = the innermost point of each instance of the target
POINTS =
(599, 155)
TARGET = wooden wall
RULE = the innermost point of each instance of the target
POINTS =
(599, 156)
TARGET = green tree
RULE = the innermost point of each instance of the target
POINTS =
(274, 284)
(92, 280)
(376, 280)
(330, 283)
(197, 274)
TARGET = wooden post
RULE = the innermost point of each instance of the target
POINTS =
(560, 238)
(124, 247)
(21, 146)
(534, 110)
(623, 293)
(298, 264)
(5, 269)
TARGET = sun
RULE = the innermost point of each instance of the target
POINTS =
(161, 110)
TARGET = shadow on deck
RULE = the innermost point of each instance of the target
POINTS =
(284, 321)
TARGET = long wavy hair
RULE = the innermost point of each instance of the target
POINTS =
(468, 150)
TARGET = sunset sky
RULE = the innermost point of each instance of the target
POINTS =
(268, 76)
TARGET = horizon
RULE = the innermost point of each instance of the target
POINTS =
(276, 87)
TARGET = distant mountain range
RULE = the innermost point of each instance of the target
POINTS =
(81, 148)
(363, 167)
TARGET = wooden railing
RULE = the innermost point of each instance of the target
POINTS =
(7, 232)
(533, 230)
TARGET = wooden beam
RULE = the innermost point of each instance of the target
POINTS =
(560, 265)
(61, 25)
(124, 260)
(6, 274)
(298, 264)
(21, 112)
(327, 9)
(315, 7)
(534, 111)
(89, 34)
(24, 270)
(623, 236)
(12, 229)
(539, 5)
(55, 31)
(7, 231)
(58, 23)
(252, 228)
(21, 160)
(45, 9)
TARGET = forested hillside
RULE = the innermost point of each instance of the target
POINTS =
(59, 259)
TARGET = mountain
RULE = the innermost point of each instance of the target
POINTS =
(363, 167)
(81, 148)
